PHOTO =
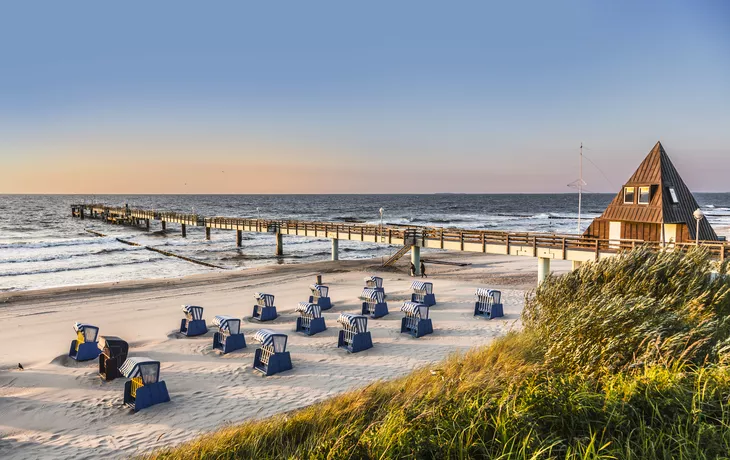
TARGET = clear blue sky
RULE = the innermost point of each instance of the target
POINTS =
(466, 96)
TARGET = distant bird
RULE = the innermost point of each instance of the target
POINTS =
(20, 366)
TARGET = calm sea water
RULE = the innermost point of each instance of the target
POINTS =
(42, 246)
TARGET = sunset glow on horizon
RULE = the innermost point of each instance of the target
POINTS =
(330, 98)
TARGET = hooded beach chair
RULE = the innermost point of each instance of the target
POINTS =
(354, 336)
(488, 304)
(416, 322)
(272, 357)
(374, 282)
(85, 346)
(193, 324)
(144, 389)
(229, 337)
(374, 303)
(264, 310)
(113, 354)
(320, 296)
(423, 293)
(310, 319)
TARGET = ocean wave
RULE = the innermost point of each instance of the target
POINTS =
(69, 269)
(61, 256)
(57, 243)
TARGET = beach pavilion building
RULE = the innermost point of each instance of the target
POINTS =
(654, 205)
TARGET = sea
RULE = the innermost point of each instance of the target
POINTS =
(42, 246)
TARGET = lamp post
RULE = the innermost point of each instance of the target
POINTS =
(381, 225)
(698, 217)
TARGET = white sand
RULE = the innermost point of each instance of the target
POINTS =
(57, 408)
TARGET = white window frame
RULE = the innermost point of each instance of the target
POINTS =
(648, 194)
(673, 195)
(633, 195)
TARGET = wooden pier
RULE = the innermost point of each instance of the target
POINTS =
(544, 247)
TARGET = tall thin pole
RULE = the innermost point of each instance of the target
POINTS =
(580, 186)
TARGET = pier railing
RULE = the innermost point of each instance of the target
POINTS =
(519, 243)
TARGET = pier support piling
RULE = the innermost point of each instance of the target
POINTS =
(147, 224)
(279, 244)
(81, 213)
(543, 269)
(207, 233)
(416, 258)
(184, 232)
(164, 225)
(239, 237)
(335, 249)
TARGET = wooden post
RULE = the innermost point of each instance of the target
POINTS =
(461, 238)
(184, 232)
(147, 223)
(484, 243)
(279, 243)
(564, 256)
(335, 249)
(597, 248)
(508, 244)
(82, 213)
(207, 233)
(238, 238)
(164, 225)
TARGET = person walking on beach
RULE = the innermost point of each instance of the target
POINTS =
(423, 270)
(413, 270)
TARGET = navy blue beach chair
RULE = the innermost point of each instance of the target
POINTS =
(193, 324)
(374, 303)
(488, 304)
(416, 321)
(354, 336)
(310, 319)
(272, 357)
(85, 347)
(374, 282)
(229, 337)
(144, 389)
(264, 310)
(320, 295)
(423, 293)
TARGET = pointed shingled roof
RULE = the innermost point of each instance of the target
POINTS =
(658, 172)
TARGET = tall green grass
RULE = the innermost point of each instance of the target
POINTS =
(622, 359)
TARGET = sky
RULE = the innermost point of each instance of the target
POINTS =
(359, 97)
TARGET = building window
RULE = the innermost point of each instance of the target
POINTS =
(644, 195)
(673, 195)
(629, 195)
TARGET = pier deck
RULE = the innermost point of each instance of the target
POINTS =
(543, 246)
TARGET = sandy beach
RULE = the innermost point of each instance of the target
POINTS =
(58, 408)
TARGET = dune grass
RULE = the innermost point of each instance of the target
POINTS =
(622, 359)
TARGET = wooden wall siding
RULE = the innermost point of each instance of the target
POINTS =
(644, 231)
(657, 172)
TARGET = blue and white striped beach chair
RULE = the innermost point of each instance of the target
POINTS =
(264, 310)
(488, 304)
(374, 282)
(320, 296)
(229, 337)
(272, 357)
(416, 322)
(423, 293)
(85, 347)
(193, 324)
(354, 336)
(144, 389)
(374, 303)
(310, 319)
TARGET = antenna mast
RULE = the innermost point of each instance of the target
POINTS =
(579, 184)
